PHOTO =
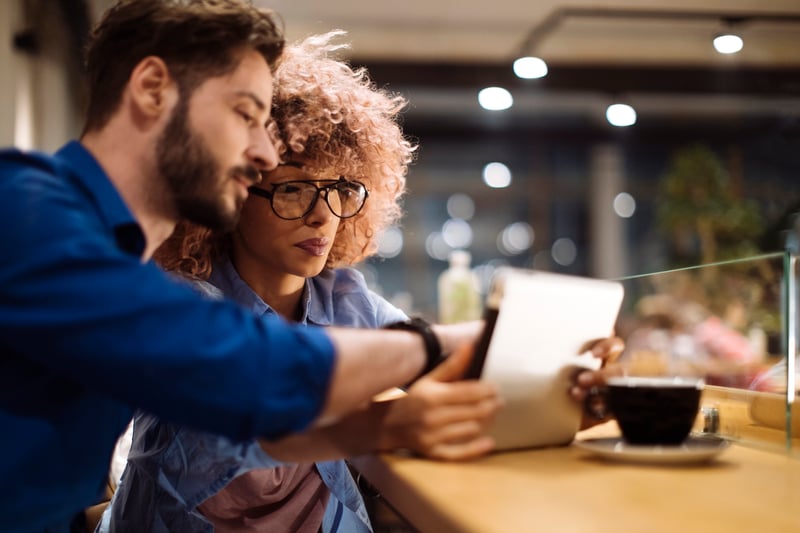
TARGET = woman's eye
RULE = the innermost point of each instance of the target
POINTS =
(289, 189)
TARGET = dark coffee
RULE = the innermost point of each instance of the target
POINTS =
(654, 410)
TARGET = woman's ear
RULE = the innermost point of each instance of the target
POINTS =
(151, 87)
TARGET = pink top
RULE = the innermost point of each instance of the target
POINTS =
(288, 498)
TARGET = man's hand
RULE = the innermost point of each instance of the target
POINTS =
(442, 417)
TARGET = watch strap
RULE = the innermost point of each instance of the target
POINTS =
(433, 350)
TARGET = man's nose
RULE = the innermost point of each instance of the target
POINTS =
(262, 151)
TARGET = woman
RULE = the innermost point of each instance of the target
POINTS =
(343, 173)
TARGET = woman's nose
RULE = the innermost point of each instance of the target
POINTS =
(321, 213)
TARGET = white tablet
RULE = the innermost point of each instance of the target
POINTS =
(538, 328)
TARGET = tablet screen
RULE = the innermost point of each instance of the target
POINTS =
(538, 326)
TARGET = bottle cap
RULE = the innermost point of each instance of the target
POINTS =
(460, 258)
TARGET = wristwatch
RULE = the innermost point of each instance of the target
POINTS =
(433, 350)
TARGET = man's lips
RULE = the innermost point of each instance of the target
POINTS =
(242, 190)
(245, 176)
(317, 247)
(248, 174)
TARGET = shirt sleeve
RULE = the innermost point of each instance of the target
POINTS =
(385, 312)
(352, 302)
(76, 309)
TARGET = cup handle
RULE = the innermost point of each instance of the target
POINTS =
(595, 404)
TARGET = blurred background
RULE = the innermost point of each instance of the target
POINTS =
(701, 163)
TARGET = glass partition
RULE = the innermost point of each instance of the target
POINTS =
(733, 323)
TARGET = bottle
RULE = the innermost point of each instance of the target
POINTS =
(459, 291)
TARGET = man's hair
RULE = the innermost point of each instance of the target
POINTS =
(333, 119)
(197, 39)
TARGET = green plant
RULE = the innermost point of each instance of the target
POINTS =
(701, 216)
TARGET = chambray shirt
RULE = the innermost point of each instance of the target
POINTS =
(88, 333)
(172, 469)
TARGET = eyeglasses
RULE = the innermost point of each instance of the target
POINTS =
(291, 200)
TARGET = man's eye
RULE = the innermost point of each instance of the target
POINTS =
(247, 117)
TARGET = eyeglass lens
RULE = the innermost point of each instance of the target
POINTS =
(295, 199)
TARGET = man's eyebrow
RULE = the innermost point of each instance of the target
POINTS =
(252, 96)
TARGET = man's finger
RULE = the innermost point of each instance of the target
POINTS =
(454, 367)
(463, 451)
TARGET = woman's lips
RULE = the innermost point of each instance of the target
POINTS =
(317, 247)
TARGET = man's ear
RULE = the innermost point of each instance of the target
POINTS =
(151, 87)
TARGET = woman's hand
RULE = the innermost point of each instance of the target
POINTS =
(588, 382)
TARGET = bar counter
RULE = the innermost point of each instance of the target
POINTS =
(567, 489)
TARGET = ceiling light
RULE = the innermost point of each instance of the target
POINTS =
(621, 115)
(728, 43)
(495, 98)
(496, 175)
(530, 68)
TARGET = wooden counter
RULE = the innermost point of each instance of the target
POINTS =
(569, 490)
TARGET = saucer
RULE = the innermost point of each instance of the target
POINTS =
(695, 449)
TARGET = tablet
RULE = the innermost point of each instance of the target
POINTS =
(538, 328)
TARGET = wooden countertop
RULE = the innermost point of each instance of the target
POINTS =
(567, 489)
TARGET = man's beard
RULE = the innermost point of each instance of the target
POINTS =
(193, 176)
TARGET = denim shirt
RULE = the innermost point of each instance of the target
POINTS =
(172, 469)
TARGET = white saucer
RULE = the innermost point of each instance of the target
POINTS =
(694, 449)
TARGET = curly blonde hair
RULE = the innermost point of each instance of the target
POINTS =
(334, 119)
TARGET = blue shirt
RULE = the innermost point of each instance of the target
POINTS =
(88, 332)
(171, 470)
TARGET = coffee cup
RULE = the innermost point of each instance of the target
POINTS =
(654, 410)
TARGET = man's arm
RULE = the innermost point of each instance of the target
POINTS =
(372, 361)
(368, 362)
(440, 418)
(78, 308)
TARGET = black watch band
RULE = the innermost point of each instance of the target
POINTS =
(433, 350)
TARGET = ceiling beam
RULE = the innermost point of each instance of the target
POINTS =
(615, 79)
(730, 18)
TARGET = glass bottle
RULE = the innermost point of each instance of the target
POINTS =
(459, 291)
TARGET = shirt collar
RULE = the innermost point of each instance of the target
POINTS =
(225, 276)
(318, 298)
(107, 200)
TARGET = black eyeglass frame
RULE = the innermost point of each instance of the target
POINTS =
(327, 187)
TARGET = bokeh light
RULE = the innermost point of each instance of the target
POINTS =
(457, 233)
(515, 238)
(461, 206)
(530, 68)
(624, 205)
(564, 251)
(495, 98)
(391, 243)
(496, 175)
(621, 115)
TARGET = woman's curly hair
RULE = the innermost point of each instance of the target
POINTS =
(334, 119)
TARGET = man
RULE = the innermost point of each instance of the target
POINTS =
(90, 328)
